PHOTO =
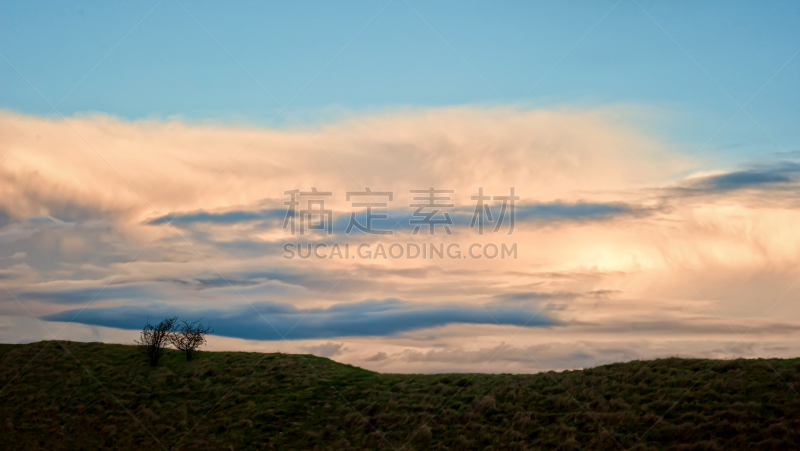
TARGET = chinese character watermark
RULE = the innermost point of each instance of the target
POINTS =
(367, 227)
(306, 211)
(431, 217)
(315, 207)
(483, 212)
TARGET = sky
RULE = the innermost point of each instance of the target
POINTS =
(146, 149)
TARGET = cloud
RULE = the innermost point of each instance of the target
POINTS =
(5, 218)
(577, 211)
(328, 349)
(759, 177)
(228, 217)
(536, 357)
(69, 224)
(144, 292)
(272, 320)
(397, 219)
(745, 179)
(175, 160)
(378, 357)
(317, 281)
(529, 297)
(48, 221)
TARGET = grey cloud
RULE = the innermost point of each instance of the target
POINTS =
(549, 355)
(552, 299)
(229, 217)
(51, 243)
(761, 177)
(527, 296)
(316, 281)
(577, 212)
(49, 221)
(98, 293)
(328, 349)
(744, 179)
(709, 325)
(378, 357)
(367, 318)
(338, 282)
(539, 213)
(396, 219)
(5, 218)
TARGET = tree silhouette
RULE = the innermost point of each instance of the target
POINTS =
(153, 338)
(189, 337)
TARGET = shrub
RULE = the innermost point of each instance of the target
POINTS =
(189, 337)
(153, 339)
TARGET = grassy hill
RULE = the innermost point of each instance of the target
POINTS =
(234, 400)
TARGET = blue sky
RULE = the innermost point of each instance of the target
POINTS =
(168, 66)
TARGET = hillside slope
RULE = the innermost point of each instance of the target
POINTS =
(230, 400)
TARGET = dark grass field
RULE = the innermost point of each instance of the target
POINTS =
(243, 401)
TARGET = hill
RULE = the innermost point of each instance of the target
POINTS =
(91, 395)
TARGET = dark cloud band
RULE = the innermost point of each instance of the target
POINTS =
(368, 318)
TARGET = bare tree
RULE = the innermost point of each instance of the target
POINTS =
(154, 338)
(189, 337)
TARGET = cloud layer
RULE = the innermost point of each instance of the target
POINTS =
(275, 321)
(627, 246)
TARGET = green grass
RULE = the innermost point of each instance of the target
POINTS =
(243, 401)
